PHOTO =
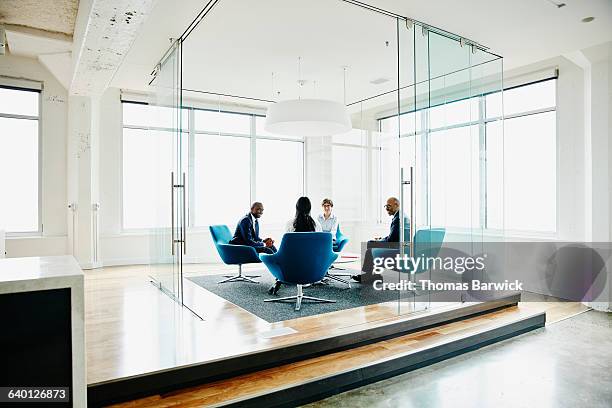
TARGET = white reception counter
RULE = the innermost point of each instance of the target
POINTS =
(43, 309)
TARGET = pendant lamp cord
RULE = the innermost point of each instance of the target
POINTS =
(300, 78)
(344, 84)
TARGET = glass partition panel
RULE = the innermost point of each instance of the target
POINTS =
(161, 151)
(375, 163)
(444, 158)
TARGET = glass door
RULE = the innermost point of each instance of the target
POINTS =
(413, 181)
(166, 238)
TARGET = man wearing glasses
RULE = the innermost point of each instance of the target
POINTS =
(390, 241)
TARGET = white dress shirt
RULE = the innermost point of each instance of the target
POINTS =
(330, 224)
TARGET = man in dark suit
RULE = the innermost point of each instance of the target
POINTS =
(247, 231)
(390, 241)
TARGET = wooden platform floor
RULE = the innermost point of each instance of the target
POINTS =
(132, 328)
(323, 367)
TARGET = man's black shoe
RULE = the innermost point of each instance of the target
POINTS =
(356, 278)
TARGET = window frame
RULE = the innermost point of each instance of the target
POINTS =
(481, 123)
(40, 226)
(191, 132)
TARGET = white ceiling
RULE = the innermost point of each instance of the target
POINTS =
(238, 46)
(243, 42)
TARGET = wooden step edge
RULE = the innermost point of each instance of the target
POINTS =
(327, 385)
(165, 380)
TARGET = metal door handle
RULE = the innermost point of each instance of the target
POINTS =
(184, 217)
(172, 211)
(411, 224)
(411, 231)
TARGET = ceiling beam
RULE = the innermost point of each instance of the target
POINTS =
(104, 33)
(36, 32)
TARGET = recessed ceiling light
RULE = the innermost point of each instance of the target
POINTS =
(588, 19)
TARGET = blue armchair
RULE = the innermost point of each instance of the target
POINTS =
(341, 240)
(342, 277)
(233, 254)
(427, 243)
(303, 258)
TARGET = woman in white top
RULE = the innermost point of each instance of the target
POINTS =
(328, 220)
(303, 222)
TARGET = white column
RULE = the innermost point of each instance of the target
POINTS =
(318, 163)
(598, 152)
(83, 184)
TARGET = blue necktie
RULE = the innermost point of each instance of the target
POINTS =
(256, 228)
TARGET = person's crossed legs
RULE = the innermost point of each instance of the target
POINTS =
(367, 267)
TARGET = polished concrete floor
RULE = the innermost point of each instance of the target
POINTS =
(566, 364)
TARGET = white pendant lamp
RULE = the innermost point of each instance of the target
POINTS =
(307, 118)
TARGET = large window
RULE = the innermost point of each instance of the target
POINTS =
(222, 188)
(148, 133)
(146, 162)
(279, 178)
(483, 175)
(529, 143)
(228, 159)
(453, 162)
(19, 160)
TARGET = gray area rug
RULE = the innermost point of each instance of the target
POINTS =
(250, 296)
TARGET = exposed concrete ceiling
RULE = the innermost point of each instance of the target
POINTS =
(244, 39)
(56, 16)
(32, 43)
(53, 50)
(104, 34)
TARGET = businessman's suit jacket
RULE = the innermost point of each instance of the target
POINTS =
(246, 233)
(394, 229)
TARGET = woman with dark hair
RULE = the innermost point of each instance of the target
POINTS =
(302, 222)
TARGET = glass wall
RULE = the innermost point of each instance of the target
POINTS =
(443, 160)
(425, 135)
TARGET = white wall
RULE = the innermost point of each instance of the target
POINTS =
(52, 241)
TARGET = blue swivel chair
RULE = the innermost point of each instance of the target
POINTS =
(303, 258)
(427, 243)
(233, 254)
(341, 240)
